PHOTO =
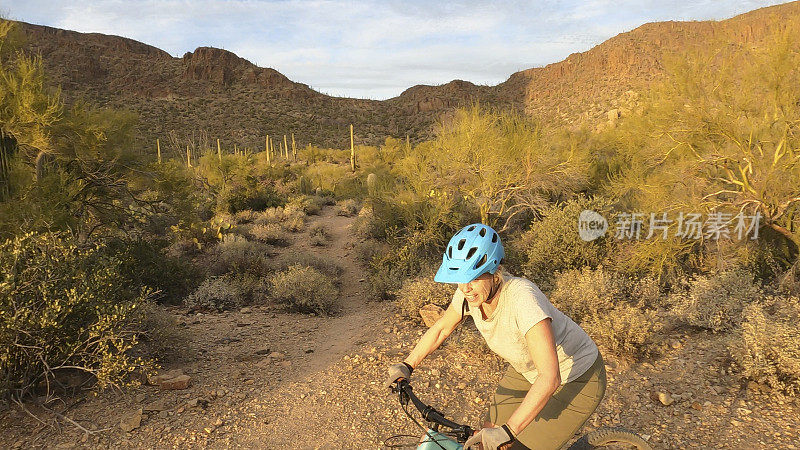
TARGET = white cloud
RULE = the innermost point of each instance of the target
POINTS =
(376, 48)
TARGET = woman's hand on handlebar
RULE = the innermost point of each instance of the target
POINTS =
(398, 371)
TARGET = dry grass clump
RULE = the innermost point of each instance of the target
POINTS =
(325, 265)
(238, 254)
(767, 348)
(161, 335)
(318, 234)
(216, 294)
(611, 308)
(417, 292)
(244, 216)
(269, 215)
(271, 233)
(306, 289)
(715, 302)
(347, 208)
(309, 204)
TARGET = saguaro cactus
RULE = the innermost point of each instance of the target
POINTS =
(266, 149)
(188, 156)
(372, 184)
(294, 149)
(286, 146)
(352, 151)
(219, 151)
(158, 150)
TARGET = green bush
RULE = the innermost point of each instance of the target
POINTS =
(553, 244)
(147, 264)
(238, 254)
(271, 233)
(309, 204)
(611, 308)
(417, 292)
(305, 288)
(715, 302)
(216, 294)
(318, 234)
(63, 306)
(347, 208)
(327, 266)
(252, 195)
(767, 348)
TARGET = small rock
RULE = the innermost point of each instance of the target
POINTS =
(180, 409)
(361, 280)
(158, 405)
(387, 330)
(158, 379)
(430, 314)
(163, 414)
(697, 406)
(276, 355)
(435, 372)
(177, 383)
(461, 386)
(131, 421)
(665, 398)
(218, 423)
(263, 351)
(243, 324)
(245, 310)
(140, 397)
(285, 363)
(309, 350)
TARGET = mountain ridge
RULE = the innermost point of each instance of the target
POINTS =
(216, 93)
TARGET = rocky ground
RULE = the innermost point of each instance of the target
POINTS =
(266, 377)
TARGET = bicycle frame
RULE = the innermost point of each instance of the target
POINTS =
(433, 440)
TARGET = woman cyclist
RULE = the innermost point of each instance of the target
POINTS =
(556, 376)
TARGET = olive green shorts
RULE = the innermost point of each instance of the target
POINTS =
(562, 416)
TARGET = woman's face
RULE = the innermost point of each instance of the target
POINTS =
(476, 292)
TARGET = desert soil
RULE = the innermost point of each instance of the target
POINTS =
(267, 377)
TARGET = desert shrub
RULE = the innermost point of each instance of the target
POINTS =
(160, 334)
(146, 264)
(325, 265)
(715, 302)
(347, 208)
(271, 233)
(251, 195)
(63, 306)
(269, 215)
(767, 348)
(553, 244)
(610, 308)
(238, 254)
(417, 292)
(309, 204)
(306, 289)
(216, 294)
(318, 234)
(244, 216)
(254, 289)
(295, 223)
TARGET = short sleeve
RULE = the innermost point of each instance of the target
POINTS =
(528, 310)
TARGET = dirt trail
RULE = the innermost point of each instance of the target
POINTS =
(354, 323)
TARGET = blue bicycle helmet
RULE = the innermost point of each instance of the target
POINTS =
(473, 251)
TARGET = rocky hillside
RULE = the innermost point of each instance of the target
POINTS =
(212, 93)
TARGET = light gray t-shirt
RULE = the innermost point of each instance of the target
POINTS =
(522, 305)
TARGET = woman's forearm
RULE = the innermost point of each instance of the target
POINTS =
(540, 392)
(429, 342)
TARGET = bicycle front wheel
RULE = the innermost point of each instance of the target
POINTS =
(616, 437)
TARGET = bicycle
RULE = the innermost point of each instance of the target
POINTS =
(433, 439)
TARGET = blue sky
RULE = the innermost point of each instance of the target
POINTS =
(371, 48)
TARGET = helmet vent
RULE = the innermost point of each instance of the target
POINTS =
(481, 262)
(471, 228)
(450, 252)
(461, 244)
(494, 237)
(471, 252)
(482, 232)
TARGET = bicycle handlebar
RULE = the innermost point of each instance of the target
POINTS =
(429, 413)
